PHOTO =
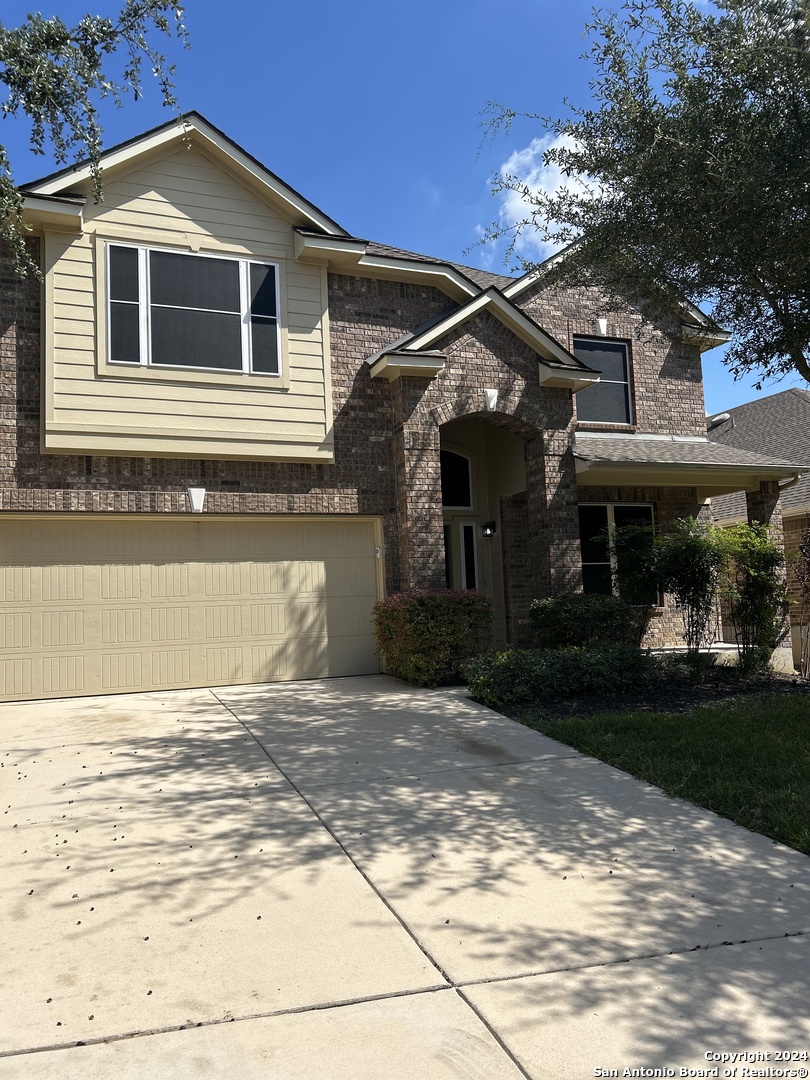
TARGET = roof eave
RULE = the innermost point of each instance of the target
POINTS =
(192, 125)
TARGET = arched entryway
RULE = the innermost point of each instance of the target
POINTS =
(483, 470)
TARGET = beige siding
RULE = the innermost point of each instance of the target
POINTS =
(99, 606)
(188, 202)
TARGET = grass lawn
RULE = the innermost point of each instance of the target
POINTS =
(747, 759)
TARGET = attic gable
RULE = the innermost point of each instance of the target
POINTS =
(189, 131)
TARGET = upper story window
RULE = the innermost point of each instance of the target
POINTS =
(608, 401)
(169, 309)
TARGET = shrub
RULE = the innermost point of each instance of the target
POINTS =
(689, 561)
(585, 619)
(517, 677)
(755, 589)
(425, 637)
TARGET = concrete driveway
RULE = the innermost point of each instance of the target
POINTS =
(355, 879)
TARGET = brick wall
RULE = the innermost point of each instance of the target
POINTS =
(387, 435)
(667, 379)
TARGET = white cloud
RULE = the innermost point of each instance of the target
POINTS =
(527, 166)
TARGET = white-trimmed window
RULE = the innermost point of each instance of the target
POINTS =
(600, 562)
(169, 309)
(609, 400)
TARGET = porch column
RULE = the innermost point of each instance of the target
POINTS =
(556, 565)
(764, 506)
(419, 489)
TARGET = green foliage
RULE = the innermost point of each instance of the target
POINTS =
(745, 759)
(516, 677)
(426, 637)
(753, 584)
(689, 557)
(686, 176)
(802, 573)
(54, 74)
(583, 619)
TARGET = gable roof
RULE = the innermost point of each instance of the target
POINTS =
(778, 425)
(191, 126)
(559, 367)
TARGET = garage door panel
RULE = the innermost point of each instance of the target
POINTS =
(211, 614)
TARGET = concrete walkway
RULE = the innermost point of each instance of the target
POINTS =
(354, 879)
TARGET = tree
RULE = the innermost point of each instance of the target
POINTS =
(54, 74)
(689, 174)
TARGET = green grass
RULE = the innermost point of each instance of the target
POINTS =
(747, 759)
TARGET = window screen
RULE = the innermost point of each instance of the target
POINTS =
(607, 401)
(170, 309)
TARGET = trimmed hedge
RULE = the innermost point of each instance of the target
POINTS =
(581, 619)
(502, 680)
(426, 637)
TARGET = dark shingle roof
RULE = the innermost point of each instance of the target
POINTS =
(638, 450)
(777, 425)
(482, 278)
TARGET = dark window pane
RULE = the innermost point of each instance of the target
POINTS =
(609, 357)
(196, 339)
(592, 538)
(605, 402)
(187, 281)
(265, 346)
(455, 479)
(123, 274)
(632, 515)
(468, 540)
(124, 333)
(448, 558)
(596, 578)
(262, 290)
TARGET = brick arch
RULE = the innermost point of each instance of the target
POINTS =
(525, 420)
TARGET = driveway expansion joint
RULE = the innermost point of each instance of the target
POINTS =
(685, 951)
(383, 900)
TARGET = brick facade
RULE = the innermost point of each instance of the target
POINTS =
(387, 437)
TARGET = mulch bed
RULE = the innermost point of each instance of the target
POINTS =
(721, 684)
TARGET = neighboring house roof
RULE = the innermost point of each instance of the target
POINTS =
(778, 425)
(688, 460)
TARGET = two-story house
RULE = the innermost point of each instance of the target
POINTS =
(228, 426)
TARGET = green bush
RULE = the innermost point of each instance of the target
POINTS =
(591, 619)
(530, 676)
(426, 637)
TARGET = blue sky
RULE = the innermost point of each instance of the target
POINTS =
(373, 111)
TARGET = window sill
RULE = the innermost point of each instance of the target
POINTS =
(197, 376)
(594, 425)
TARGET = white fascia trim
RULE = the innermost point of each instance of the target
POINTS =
(636, 437)
(508, 314)
(417, 268)
(570, 378)
(324, 247)
(182, 129)
(584, 463)
(64, 210)
(705, 335)
(392, 366)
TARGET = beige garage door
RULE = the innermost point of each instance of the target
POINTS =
(113, 606)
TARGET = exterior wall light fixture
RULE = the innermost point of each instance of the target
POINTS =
(196, 499)
(489, 528)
